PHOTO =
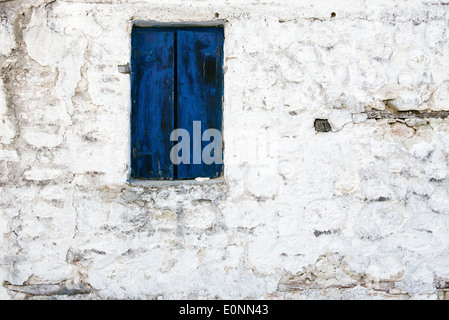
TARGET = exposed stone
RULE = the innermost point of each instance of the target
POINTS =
(402, 130)
(322, 125)
(422, 150)
(9, 155)
(415, 122)
(52, 290)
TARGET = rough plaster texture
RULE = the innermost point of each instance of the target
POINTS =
(361, 212)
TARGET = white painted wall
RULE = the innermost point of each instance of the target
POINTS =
(359, 212)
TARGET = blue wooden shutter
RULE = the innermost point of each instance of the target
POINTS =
(152, 116)
(199, 90)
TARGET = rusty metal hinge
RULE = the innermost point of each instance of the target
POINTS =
(124, 68)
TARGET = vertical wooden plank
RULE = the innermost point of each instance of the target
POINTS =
(200, 91)
(152, 83)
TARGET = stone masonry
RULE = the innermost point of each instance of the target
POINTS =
(359, 211)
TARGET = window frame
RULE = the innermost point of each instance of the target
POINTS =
(175, 180)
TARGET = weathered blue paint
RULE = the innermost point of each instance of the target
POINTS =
(152, 82)
(176, 79)
(199, 91)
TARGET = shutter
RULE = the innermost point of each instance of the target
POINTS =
(200, 92)
(152, 116)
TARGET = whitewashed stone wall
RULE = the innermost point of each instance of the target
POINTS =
(359, 212)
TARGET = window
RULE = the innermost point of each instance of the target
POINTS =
(177, 94)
